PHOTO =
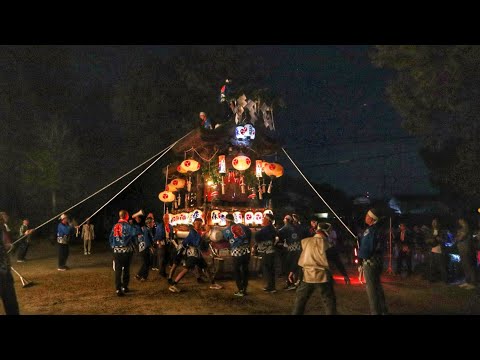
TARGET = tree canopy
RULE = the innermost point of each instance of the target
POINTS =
(435, 88)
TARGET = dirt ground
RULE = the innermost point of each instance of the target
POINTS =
(88, 289)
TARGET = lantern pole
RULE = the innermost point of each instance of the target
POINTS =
(166, 180)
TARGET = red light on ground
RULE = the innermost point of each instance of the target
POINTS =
(356, 261)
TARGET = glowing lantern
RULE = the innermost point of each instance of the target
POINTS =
(178, 183)
(181, 170)
(274, 169)
(215, 216)
(197, 214)
(190, 165)
(174, 220)
(240, 132)
(258, 218)
(223, 220)
(250, 131)
(268, 211)
(170, 188)
(264, 165)
(222, 167)
(238, 217)
(183, 218)
(258, 168)
(241, 162)
(166, 196)
(249, 218)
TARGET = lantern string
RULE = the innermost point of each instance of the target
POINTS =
(320, 196)
(201, 157)
(161, 153)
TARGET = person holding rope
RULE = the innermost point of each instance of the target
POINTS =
(7, 290)
(370, 254)
(64, 235)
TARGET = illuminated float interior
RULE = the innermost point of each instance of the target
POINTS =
(226, 170)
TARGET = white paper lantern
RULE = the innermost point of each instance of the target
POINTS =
(249, 218)
(258, 218)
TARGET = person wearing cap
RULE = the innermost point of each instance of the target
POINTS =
(315, 274)
(121, 239)
(205, 122)
(64, 236)
(7, 289)
(370, 254)
(192, 246)
(264, 240)
(239, 236)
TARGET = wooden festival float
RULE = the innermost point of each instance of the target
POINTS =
(223, 170)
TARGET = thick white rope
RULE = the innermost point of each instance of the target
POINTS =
(95, 193)
(136, 177)
(130, 183)
(320, 196)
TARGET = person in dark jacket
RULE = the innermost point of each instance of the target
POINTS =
(264, 240)
(370, 254)
(64, 236)
(239, 237)
(121, 239)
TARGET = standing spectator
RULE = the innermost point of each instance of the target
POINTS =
(437, 259)
(404, 242)
(239, 236)
(371, 256)
(4, 217)
(24, 243)
(88, 234)
(64, 237)
(7, 290)
(121, 239)
(316, 274)
(264, 239)
(290, 234)
(464, 241)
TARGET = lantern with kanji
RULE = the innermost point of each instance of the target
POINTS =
(215, 217)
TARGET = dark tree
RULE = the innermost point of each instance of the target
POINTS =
(436, 90)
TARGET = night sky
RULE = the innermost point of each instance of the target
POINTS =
(337, 110)
(338, 124)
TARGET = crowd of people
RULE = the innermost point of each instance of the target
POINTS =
(305, 255)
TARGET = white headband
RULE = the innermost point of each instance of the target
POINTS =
(372, 215)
